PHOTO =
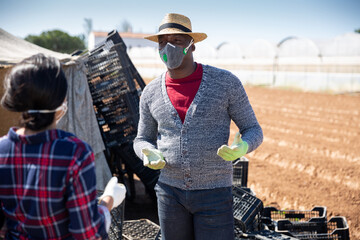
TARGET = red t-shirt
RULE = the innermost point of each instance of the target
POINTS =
(183, 90)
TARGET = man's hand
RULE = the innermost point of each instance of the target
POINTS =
(237, 149)
(153, 158)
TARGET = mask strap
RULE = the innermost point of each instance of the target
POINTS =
(63, 106)
(187, 48)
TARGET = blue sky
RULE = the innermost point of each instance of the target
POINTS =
(239, 21)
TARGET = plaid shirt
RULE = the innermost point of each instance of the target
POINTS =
(48, 187)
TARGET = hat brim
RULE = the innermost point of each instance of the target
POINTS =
(198, 37)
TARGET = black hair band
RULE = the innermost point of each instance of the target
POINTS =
(174, 25)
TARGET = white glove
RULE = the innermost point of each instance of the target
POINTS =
(153, 158)
(115, 190)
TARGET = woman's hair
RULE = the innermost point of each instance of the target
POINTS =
(36, 83)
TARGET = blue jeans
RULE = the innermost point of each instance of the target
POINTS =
(195, 214)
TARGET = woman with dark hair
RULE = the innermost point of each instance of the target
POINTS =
(48, 183)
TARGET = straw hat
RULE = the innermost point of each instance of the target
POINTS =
(174, 23)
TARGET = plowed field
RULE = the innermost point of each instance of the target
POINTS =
(311, 152)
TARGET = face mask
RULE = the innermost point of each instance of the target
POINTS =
(173, 55)
(63, 107)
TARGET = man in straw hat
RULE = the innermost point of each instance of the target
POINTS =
(183, 130)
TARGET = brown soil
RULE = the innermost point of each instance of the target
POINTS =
(311, 152)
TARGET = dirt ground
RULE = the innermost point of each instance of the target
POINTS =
(310, 155)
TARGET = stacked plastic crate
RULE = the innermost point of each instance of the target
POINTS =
(306, 224)
(141, 229)
(246, 206)
(115, 86)
(253, 221)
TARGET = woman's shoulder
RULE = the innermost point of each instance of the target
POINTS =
(73, 148)
(70, 138)
(4, 141)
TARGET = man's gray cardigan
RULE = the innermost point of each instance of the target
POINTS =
(190, 148)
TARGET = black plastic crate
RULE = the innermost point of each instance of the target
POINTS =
(142, 229)
(114, 42)
(246, 209)
(115, 86)
(312, 221)
(117, 220)
(264, 235)
(117, 122)
(295, 215)
(240, 172)
(312, 226)
(337, 229)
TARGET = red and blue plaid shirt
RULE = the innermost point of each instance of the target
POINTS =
(48, 187)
